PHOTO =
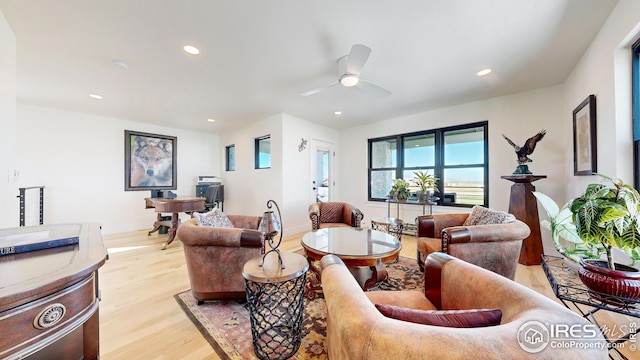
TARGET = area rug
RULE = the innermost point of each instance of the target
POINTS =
(226, 324)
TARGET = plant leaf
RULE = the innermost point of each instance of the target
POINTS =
(548, 204)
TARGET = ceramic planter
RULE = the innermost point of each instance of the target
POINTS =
(624, 281)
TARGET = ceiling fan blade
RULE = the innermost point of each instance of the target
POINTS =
(317, 90)
(357, 58)
(370, 87)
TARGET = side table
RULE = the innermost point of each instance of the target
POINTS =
(570, 290)
(275, 297)
(389, 225)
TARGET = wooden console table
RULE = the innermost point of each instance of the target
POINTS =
(173, 206)
(524, 206)
(49, 298)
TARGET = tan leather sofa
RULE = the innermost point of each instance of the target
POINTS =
(215, 256)
(357, 330)
(495, 247)
(332, 214)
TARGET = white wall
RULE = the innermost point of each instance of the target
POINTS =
(296, 185)
(79, 158)
(605, 70)
(9, 213)
(247, 189)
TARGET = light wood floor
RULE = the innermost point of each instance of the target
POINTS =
(140, 319)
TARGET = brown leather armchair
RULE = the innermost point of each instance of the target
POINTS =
(333, 214)
(357, 330)
(495, 247)
(215, 256)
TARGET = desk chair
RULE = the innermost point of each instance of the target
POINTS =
(215, 197)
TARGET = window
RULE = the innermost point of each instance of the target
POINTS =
(263, 152)
(457, 156)
(635, 72)
(230, 158)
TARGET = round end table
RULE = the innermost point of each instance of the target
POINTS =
(275, 297)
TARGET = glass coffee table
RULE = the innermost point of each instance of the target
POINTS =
(356, 247)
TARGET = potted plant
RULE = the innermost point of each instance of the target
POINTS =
(425, 181)
(605, 217)
(399, 190)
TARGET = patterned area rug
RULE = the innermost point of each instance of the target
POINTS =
(226, 324)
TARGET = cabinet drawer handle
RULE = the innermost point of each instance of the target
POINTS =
(49, 316)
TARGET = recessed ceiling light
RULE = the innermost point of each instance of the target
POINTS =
(94, 96)
(483, 72)
(211, 120)
(191, 50)
(337, 112)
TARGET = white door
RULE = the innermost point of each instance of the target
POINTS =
(322, 184)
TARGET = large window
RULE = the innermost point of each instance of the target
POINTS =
(263, 152)
(457, 156)
(230, 158)
(636, 112)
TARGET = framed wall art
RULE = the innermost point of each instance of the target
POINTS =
(584, 137)
(149, 161)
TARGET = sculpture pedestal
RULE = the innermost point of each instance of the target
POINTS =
(524, 206)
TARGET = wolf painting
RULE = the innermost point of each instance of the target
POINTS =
(151, 162)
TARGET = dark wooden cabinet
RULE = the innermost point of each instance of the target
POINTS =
(49, 299)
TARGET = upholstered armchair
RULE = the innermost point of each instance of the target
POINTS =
(356, 329)
(333, 214)
(493, 246)
(215, 256)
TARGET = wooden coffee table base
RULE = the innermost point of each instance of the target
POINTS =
(363, 251)
(376, 266)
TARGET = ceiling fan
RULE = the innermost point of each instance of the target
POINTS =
(349, 67)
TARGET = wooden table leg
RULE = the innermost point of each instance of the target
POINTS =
(175, 221)
(314, 282)
(156, 225)
(378, 273)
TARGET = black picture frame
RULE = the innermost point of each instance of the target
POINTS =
(150, 161)
(585, 138)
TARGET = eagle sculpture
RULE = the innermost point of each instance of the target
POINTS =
(528, 147)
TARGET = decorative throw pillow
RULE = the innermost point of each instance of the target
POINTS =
(214, 217)
(448, 318)
(482, 216)
(331, 212)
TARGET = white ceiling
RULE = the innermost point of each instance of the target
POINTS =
(258, 56)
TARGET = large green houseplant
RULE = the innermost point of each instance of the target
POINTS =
(609, 216)
(605, 217)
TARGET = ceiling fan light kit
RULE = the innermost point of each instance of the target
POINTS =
(349, 80)
(349, 68)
